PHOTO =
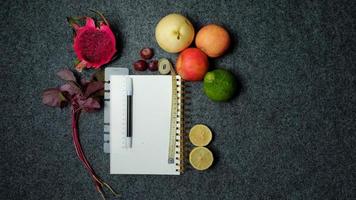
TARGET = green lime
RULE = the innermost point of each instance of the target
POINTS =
(220, 85)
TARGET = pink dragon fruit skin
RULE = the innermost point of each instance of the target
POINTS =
(94, 46)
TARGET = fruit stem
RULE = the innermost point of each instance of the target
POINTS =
(101, 16)
(74, 22)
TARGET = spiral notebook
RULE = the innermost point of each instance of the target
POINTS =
(156, 125)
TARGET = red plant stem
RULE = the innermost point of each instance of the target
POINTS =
(77, 145)
(99, 184)
(80, 153)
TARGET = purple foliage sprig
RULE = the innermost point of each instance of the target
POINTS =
(83, 95)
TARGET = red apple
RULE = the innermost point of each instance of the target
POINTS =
(192, 64)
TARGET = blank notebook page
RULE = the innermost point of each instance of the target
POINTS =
(151, 116)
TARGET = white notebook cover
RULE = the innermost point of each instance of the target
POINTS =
(151, 114)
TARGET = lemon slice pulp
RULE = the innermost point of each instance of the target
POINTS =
(200, 135)
(201, 158)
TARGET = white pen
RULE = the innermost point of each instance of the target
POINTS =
(129, 113)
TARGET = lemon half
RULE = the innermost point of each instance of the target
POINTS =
(200, 135)
(201, 158)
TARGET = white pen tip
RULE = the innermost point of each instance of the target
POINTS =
(129, 86)
(128, 142)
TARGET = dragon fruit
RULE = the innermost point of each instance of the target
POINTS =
(94, 43)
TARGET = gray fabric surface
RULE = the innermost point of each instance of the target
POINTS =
(290, 134)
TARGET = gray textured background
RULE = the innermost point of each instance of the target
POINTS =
(290, 134)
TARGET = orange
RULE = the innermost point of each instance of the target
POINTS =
(213, 40)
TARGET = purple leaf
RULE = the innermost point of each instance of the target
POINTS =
(71, 87)
(91, 105)
(66, 75)
(93, 87)
(53, 97)
(98, 94)
(83, 81)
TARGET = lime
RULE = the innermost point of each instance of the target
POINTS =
(200, 135)
(201, 158)
(220, 85)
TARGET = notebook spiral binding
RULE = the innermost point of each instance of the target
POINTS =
(180, 136)
(185, 127)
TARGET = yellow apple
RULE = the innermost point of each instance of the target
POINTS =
(174, 33)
